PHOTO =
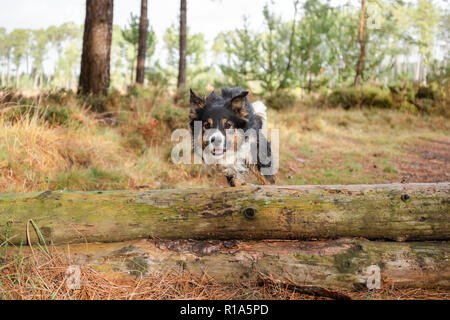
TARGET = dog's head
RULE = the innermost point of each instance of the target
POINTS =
(218, 114)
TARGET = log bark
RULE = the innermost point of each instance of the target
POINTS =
(142, 48)
(394, 211)
(96, 55)
(335, 264)
(181, 84)
(362, 45)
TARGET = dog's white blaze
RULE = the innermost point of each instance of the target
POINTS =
(218, 135)
(261, 110)
(209, 157)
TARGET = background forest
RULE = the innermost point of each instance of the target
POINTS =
(359, 91)
(318, 48)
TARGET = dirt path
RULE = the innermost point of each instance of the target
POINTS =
(428, 161)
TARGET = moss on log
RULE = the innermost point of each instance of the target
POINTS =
(394, 211)
(343, 263)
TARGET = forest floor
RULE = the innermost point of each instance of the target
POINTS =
(64, 146)
(49, 143)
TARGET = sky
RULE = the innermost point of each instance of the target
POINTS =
(207, 16)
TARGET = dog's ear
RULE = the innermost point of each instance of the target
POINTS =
(197, 104)
(238, 103)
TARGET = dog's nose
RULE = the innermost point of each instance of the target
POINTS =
(216, 140)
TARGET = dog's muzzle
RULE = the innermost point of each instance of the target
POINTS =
(217, 143)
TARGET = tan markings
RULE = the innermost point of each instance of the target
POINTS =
(236, 104)
(259, 176)
(226, 124)
(239, 182)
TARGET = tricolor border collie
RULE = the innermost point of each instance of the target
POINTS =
(228, 131)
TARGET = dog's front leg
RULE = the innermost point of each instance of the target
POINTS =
(235, 182)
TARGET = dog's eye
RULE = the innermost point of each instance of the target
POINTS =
(228, 125)
(207, 125)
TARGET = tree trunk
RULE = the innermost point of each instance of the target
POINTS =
(3, 78)
(400, 212)
(95, 59)
(35, 81)
(336, 264)
(143, 29)
(418, 68)
(283, 82)
(183, 47)
(8, 65)
(17, 77)
(362, 45)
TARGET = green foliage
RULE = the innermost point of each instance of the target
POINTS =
(170, 116)
(281, 99)
(424, 99)
(315, 49)
(241, 55)
(198, 74)
(346, 98)
(54, 115)
(129, 43)
(87, 179)
(367, 96)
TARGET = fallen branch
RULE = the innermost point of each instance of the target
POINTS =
(311, 290)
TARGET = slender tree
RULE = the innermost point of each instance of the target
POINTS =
(20, 40)
(283, 82)
(142, 48)
(183, 47)
(95, 59)
(362, 45)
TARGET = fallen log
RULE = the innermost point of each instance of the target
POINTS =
(394, 211)
(311, 266)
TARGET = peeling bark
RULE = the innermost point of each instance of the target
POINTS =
(311, 266)
(142, 48)
(96, 55)
(181, 84)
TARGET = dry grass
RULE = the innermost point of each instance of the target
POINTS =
(129, 146)
(42, 277)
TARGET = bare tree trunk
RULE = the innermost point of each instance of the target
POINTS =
(283, 83)
(183, 47)
(35, 82)
(418, 67)
(17, 77)
(362, 44)
(3, 77)
(95, 60)
(8, 74)
(143, 29)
